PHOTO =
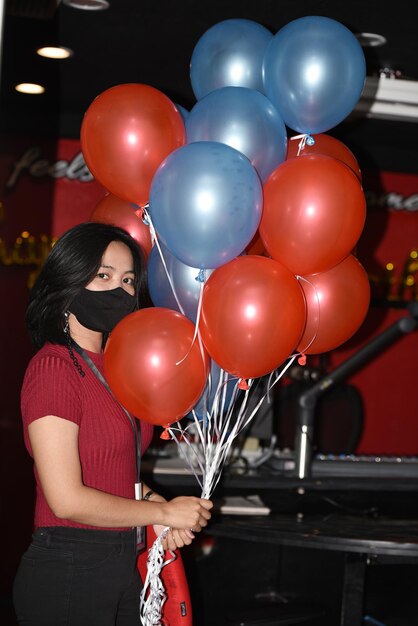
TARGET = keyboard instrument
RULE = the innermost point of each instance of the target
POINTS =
(350, 465)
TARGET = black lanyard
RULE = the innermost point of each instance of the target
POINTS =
(134, 423)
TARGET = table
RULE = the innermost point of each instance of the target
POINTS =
(362, 539)
(314, 513)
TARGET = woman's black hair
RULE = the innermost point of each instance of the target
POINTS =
(72, 263)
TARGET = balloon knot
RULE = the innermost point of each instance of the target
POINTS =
(141, 212)
(165, 434)
(302, 359)
(201, 276)
(310, 140)
(243, 384)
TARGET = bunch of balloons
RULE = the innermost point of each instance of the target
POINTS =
(216, 184)
(249, 236)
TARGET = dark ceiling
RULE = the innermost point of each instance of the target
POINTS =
(151, 41)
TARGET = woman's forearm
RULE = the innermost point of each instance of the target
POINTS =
(95, 508)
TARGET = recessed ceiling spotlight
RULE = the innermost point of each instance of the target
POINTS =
(371, 40)
(31, 88)
(54, 52)
(88, 5)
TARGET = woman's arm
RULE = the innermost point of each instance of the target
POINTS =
(54, 444)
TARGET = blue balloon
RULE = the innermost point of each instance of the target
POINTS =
(243, 119)
(183, 277)
(205, 203)
(216, 390)
(230, 53)
(314, 72)
(183, 112)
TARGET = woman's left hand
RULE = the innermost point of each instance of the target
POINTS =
(175, 538)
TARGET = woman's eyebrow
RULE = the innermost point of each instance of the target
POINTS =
(110, 267)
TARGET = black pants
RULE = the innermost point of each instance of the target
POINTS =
(78, 577)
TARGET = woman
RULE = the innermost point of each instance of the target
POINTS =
(80, 568)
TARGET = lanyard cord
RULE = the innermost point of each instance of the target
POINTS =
(134, 422)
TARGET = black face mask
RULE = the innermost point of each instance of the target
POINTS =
(102, 310)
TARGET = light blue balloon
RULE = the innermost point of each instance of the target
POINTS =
(205, 203)
(183, 277)
(214, 391)
(183, 112)
(230, 53)
(314, 72)
(243, 119)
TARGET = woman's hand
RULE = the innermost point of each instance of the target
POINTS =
(180, 537)
(175, 538)
(187, 513)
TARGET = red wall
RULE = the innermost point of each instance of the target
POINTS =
(388, 383)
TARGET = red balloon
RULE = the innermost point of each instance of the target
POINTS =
(327, 145)
(256, 246)
(337, 303)
(314, 212)
(126, 133)
(113, 210)
(153, 367)
(253, 315)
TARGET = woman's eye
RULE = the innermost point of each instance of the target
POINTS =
(128, 281)
(103, 275)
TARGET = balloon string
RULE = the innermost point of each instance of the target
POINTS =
(189, 452)
(224, 443)
(269, 388)
(219, 400)
(147, 218)
(156, 242)
(301, 145)
(305, 138)
(318, 309)
(153, 594)
(215, 438)
(196, 328)
(141, 213)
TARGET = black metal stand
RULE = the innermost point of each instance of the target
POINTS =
(307, 401)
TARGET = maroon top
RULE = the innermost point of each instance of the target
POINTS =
(53, 386)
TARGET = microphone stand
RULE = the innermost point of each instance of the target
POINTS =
(308, 399)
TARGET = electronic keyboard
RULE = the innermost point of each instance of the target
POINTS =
(350, 465)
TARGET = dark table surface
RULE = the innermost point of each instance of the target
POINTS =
(345, 533)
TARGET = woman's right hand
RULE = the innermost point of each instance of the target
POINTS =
(187, 512)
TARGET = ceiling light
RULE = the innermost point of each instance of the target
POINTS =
(371, 40)
(54, 52)
(32, 88)
(88, 5)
